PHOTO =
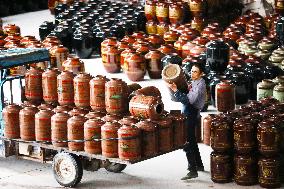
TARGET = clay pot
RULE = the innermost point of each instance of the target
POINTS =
(221, 167)
(59, 129)
(268, 171)
(147, 91)
(154, 65)
(82, 90)
(92, 135)
(74, 65)
(162, 28)
(75, 131)
(150, 10)
(225, 96)
(162, 11)
(176, 12)
(265, 89)
(43, 125)
(135, 67)
(33, 84)
(129, 149)
(97, 93)
(110, 147)
(128, 120)
(111, 59)
(65, 88)
(27, 123)
(179, 127)
(49, 86)
(146, 107)
(11, 121)
(58, 54)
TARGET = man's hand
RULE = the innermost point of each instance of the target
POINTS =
(172, 86)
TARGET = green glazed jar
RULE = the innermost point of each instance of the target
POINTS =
(278, 92)
(264, 89)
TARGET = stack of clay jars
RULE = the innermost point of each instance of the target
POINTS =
(82, 26)
(160, 14)
(250, 141)
(271, 88)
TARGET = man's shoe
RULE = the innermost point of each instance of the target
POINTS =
(200, 168)
(190, 175)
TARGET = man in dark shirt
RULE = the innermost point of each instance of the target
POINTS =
(192, 102)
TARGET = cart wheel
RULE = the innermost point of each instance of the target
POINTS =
(114, 167)
(67, 169)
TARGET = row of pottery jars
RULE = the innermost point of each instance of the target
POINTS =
(267, 88)
(246, 169)
(164, 11)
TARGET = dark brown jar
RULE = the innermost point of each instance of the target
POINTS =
(129, 143)
(268, 172)
(143, 48)
(111, 59)
(165, 133)
(153, 63)
(27, 123)
(221, 166)
(245, 169)
(82, 90)
(97, 93)
(43, 125)
(133, 87)
(59, 129)
(162, 28)
(128, 120)
(11, 121)
(148, 91)
(221, 135)
(176, 12)
(244, 135)
(225, 96)
(149, 139)
(150, 10)
(178, 122)
(207, 121)
(110, 147)
(162, 11)
(92, 135)
(135, 66)
(65, 88)
(146, 107)
(115, 96)
(268, 138)
(75, 131)
(49, 86)
(33, 85)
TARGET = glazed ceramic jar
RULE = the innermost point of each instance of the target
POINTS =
(225, 96)
(110, 147)
(58, 54)
(151, 27)
(244, 136)
(221, 167)
(268, 172)
(176, 12)
(33, 85)
(135, 66)
(268, 138)
(162, 11)
(11, 121)
(149, 141)
(198, 7)
(171, 37)
(150, 10)
(154, 64)
(82, 90)
(97, 93)
(245, 170)
(74, 65)
(217, 63)
(265, 89)
(75, 131)
(278, 92)
(155, 40)
(111, 59)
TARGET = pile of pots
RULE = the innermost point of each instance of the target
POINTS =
(104, 116)
(82, 26)
(248, 144)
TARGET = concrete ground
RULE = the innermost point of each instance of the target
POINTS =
(161, 172)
